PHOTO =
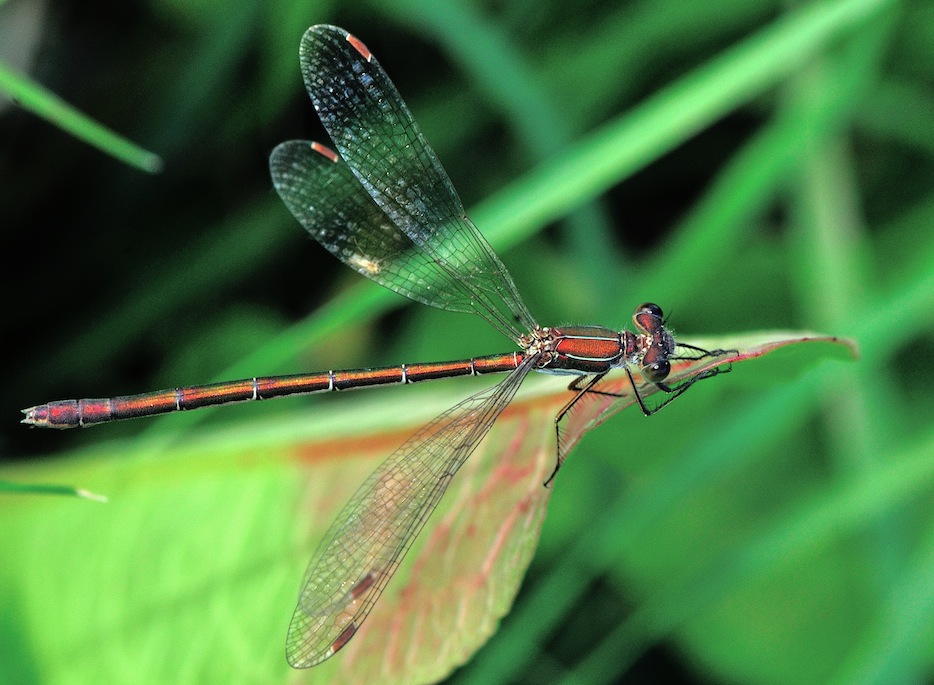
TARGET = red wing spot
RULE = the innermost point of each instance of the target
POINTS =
(359, 46)
(324, 150)
(363, 585)
(344, 637)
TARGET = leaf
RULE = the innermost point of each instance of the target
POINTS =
(49, 489)
(600, 407)
(44, 103)
(192, 571)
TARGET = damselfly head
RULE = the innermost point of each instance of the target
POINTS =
(650, 308)
(656, 371)
(657, 344)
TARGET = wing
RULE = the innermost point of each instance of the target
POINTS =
(327, 199)
(379, 140)
(375, 529)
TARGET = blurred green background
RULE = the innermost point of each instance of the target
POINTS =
(746, 164)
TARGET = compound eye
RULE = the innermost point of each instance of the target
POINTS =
(651, 308)
(656, 372)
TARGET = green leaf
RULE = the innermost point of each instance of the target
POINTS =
(192, 571)
(44, 103)
(49, 489)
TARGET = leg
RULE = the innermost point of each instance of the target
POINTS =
(677, 390)
(574, 386)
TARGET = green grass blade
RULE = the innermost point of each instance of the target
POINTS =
(50, 107)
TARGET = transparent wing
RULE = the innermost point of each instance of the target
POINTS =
(327, 199)
(375, 529)
(377, 137)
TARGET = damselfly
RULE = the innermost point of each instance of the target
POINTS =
(385, 207)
